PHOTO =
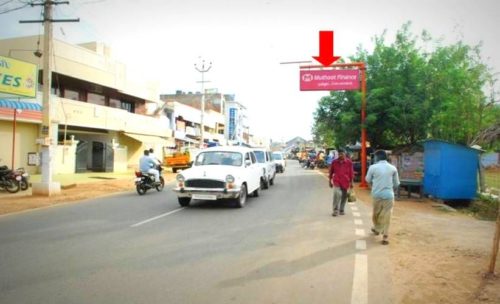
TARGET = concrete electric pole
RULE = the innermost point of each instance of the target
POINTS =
(49, 129)
(200, 67)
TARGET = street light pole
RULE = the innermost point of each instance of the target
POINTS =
(202, 69)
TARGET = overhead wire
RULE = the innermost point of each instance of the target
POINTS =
(6, 2)
(14, 9)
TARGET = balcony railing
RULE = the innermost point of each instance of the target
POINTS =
(89, 115)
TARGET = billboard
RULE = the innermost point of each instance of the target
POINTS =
(329, 80)
(17, 77)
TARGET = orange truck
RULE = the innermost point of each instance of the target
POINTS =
(179, 160)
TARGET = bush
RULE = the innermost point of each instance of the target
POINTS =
(485, 207)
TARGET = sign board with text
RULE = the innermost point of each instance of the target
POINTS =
(329, 80)
(17, 77)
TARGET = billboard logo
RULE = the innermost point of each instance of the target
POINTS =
(307, 77)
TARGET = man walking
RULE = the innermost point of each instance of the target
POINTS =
(383, 178)
(340, 178)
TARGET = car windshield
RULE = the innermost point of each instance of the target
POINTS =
(261, 158)
(219, 158)
(277, 156)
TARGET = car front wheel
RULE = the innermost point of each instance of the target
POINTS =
(242, 199)
(184, 201)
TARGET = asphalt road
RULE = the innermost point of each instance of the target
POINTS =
(283, 247)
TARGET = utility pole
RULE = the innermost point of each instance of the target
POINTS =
(48, 130)
(202, 69)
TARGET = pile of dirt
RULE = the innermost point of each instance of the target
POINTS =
(439, 257)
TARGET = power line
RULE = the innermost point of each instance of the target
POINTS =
(14, 9)
(6, 2)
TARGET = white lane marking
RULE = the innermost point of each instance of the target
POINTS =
(358, 222)
(360, 244)
(157, 217)
(350, 204)
(360, 280)
(354, 208)
(360, 232)
(356, 214)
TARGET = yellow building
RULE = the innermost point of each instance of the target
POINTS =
(104, 121)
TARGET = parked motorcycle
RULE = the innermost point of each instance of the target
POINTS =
(24, 182)
(8, 180)
(144, 182)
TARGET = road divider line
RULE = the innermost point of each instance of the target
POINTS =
(360, 232)
(358, 222)
(360, 244)
(360, 280)
(157, 217)
(356, 214)
(354, 208)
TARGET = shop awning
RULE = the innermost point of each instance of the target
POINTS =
(151, 139)
(20, 105)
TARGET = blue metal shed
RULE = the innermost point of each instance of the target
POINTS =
(450, 170)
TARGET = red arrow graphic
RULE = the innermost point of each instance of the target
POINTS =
(326, 55)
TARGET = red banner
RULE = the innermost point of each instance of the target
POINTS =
(329, 80)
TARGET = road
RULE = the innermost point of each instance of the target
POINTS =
(283, 247)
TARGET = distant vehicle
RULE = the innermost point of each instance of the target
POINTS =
(220, 173)
(180, 160)
(279, 160)
(265, 161)
(354, 153)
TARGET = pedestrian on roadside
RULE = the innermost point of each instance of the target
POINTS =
(383, 178)
(340, 178)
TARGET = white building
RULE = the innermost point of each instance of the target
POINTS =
(237, 128)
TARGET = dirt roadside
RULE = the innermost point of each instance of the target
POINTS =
(437, 256)
(70, 194)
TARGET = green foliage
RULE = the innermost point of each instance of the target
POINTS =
(413, 94)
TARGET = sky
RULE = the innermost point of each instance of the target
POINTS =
(247, 40)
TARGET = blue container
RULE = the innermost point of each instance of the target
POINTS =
(450, 170)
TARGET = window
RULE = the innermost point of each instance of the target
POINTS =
(261, 158)
(219, 158)
(96, 99)
(71, 94)
(114, 103)
(253, 158)
(128, 106)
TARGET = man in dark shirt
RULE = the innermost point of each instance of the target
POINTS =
(340, 178)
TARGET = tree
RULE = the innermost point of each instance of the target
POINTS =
(412, 95)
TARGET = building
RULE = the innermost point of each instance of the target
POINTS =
(183, 110)
(237, 127)
(104, 120)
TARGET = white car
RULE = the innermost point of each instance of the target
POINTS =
(268, 167)
(220, 173)
(279, 160)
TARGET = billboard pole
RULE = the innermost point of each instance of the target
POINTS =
(362, 68)
(363, 184)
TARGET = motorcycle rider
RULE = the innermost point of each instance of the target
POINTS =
(147, 165)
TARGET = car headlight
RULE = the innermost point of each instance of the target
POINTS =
(230, 178)
(180, 178)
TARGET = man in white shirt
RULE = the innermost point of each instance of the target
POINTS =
(383, 178)
(147, 164)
